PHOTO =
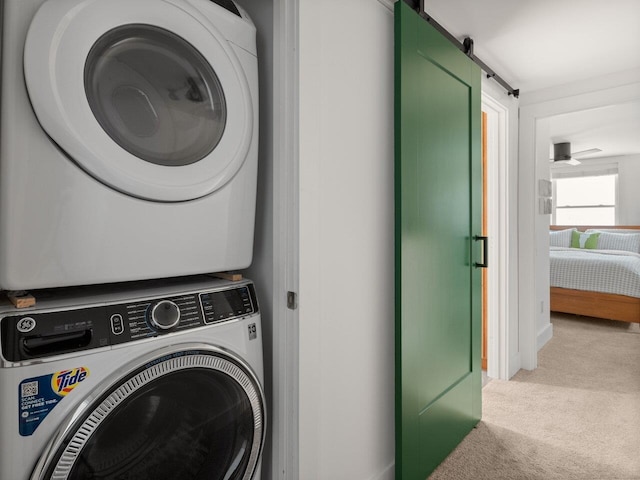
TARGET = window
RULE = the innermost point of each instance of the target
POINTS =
(585, 197)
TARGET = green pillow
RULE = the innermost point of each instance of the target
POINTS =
(584, 240)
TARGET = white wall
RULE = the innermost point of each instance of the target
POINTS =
(628, 193)
(536, 109)
(346, 241)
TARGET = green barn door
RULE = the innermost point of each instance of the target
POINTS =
(438, 187)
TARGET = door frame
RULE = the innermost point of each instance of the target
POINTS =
(284, 422)
(533, 228)
(499, 291)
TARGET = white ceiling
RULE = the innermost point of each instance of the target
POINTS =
(538, 44)
(615, 130)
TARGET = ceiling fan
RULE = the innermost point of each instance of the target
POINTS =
(562, 154)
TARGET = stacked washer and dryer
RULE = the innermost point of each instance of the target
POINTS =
(128, 168)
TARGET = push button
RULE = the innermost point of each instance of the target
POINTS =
(117, 325)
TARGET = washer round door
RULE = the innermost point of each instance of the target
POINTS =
(187, 414)
(147, 96)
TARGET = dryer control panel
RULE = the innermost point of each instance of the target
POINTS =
(39, 334)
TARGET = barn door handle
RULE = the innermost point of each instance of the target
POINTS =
(485, 251)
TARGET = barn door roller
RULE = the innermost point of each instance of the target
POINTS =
(466, 46)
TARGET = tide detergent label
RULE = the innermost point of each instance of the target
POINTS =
(65, 381)
(39, 395)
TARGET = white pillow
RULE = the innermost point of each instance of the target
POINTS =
(561, 238)
(629, 242)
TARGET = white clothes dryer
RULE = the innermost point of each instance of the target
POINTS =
(158, 381)
(128, 140)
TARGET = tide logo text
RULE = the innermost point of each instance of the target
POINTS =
(66, 380)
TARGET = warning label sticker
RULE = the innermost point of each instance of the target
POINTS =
(39, 395)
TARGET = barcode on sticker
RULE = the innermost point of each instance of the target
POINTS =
(29, 389)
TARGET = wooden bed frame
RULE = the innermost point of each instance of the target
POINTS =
(595, 304)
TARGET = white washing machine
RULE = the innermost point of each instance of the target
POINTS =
(128, 140)
(159, 381)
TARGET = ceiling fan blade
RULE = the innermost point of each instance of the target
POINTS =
(584, 153)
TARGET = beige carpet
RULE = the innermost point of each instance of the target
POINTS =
(577, 416)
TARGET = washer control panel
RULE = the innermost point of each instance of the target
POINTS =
(47, 333)
(148, 318)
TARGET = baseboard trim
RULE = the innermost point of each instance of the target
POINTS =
(514, 365)
(387, 474)
(544, 336)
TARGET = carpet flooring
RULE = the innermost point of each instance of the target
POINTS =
(577, 416)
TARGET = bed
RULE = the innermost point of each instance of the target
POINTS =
(602, 280)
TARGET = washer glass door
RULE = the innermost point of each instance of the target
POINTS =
(147, 96)
(185, 416)
(155, 95)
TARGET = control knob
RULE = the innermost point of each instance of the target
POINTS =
(164, 315)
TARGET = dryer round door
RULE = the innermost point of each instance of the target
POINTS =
(147, 96)
(187, 413)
